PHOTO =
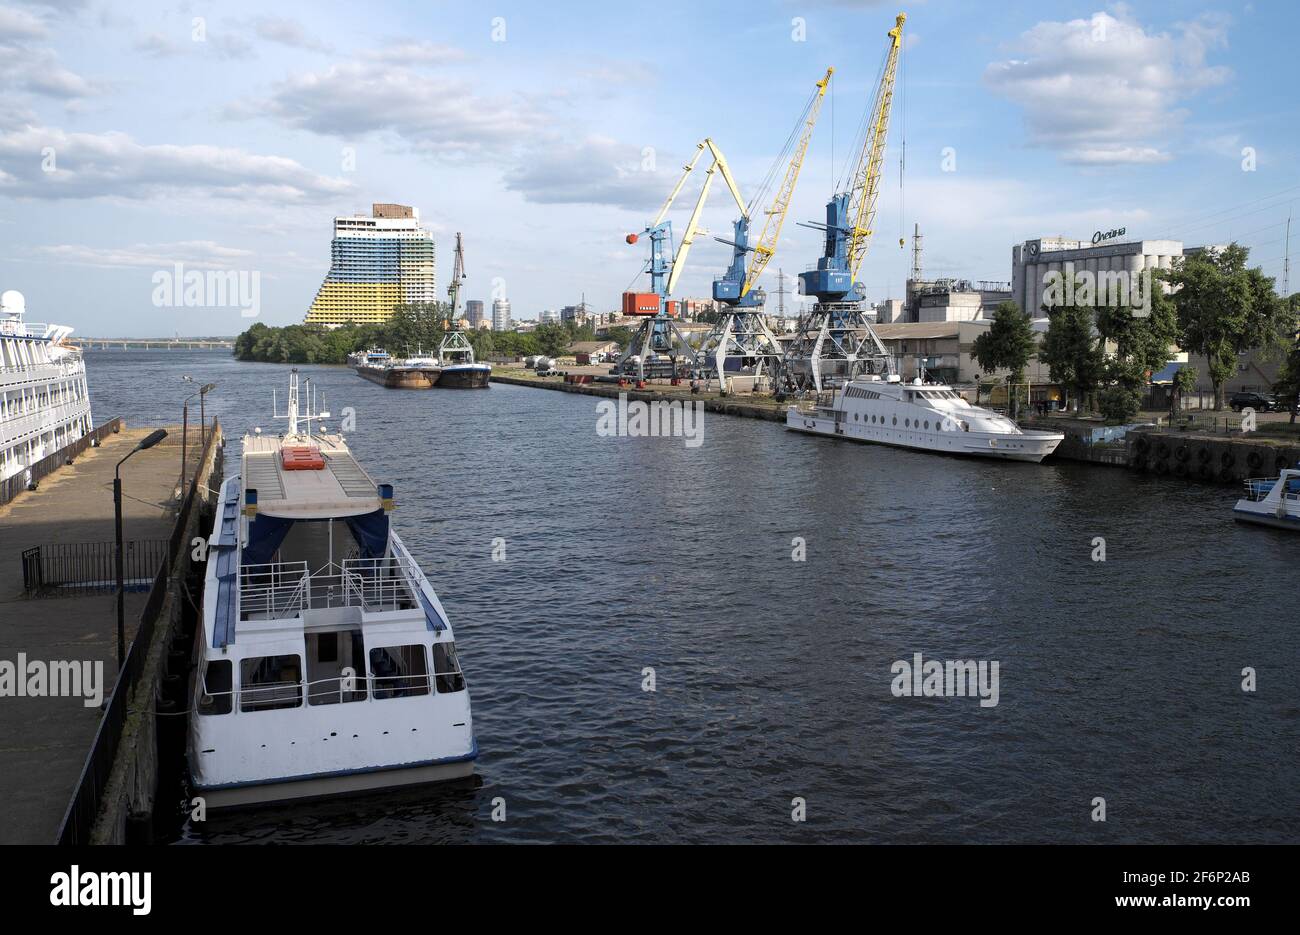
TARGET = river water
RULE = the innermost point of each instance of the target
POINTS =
(1118, 679)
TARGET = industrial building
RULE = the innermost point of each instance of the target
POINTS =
(939, 300)
(376, 263)
(1033, 260)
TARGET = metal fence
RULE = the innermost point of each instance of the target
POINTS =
(79, 818)
(68, 569)
(15, 485)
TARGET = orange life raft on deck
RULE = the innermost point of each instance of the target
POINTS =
(301, 458)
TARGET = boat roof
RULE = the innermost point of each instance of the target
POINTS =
(341, 488)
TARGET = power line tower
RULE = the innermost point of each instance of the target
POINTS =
(916, 254)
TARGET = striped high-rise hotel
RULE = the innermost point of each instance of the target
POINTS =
(376, 263)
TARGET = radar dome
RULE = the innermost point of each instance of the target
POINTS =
(12, 302)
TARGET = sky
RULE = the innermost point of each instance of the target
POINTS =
(226, 136)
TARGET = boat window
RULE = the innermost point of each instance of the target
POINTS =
(215, 696)
(270, 682)
(336, 667)
(927, 424)
(446, 668)
(399, 671)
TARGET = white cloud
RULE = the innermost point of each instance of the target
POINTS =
(423, 52)
(439, 117)
(597, 170)
(19, 24)
(200, 254)
(1105, 90)
(286, 32)
(90, 165)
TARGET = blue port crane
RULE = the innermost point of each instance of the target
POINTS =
(834, 341)
(659, 334)
(741, 334)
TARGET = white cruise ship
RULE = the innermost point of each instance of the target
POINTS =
(922, 416)
(326, 662)
(44, 402)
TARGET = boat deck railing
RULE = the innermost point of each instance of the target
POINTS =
(1258, 488)
(265, 696)
(283, 590)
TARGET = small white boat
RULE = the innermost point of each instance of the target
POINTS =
(920, 416)
(326, 663)
(1272, 501)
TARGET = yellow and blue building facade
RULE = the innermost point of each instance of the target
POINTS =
(376, 264)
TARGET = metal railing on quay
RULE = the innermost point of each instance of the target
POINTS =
(83, 807)
(15, 485)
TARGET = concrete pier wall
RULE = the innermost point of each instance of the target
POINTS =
(129, 796)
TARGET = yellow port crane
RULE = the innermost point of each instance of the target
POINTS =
(735, 286)
(851, 212)
(835, 342)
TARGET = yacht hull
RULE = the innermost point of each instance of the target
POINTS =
(1032, 447)
(315, 787)
(1244, 513)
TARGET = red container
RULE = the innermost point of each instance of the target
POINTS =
(640, 303)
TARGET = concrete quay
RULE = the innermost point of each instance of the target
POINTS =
(44, 740)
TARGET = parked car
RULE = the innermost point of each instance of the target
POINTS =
(1260, 402)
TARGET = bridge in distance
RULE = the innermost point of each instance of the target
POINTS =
(148, 344)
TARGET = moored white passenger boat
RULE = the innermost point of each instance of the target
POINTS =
(921, 416)
(1272, 501)
(326, 663)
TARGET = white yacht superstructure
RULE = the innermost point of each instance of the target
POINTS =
(1272, 501)
(44, 401)
(922, 416)
(326, 663)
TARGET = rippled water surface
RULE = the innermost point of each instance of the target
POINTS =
(1120, 679)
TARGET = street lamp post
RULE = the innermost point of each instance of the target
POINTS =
(152, 439)
(202, 393)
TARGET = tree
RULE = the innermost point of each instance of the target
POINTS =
(1073, 352)
(1184, 383)
(1287, 385)
(1225, 308)
(1007, 345)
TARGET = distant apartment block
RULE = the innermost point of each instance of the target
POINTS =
(474, 312)
(500, 314)
(376, 264)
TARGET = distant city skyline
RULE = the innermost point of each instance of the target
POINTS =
(518, 127)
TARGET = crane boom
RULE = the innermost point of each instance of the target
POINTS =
(767, 240)
(865, 188)
(693, 225)
(457, 276)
